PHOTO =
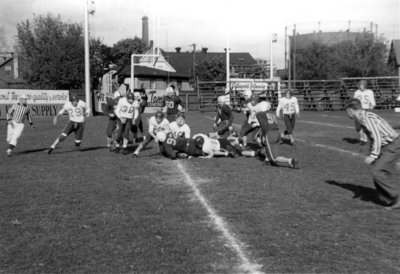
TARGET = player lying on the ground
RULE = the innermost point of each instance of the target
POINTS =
(290, 108)
(251, 124)
(77, 110)
(156, 123)
(214, 147)
(223, 120)
(173, 148)
(271, 136)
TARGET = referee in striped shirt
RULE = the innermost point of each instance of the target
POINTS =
(15, 122)
(385, 151)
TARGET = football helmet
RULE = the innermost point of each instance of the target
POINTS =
(136, 95)
(130, 96)
(159, 115)
(169, 91)
(221, 99)
(161, 136)
(199, 141)
(74, 98)
(247, 93)
(263, 106)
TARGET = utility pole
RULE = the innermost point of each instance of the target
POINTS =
(194, 62)
(271, 66)
(87, 61)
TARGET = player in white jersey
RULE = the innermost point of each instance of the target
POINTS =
(250, 125)
(127, 112)
(156, 123)
(213, 147)
(290, 109)
(77, 110)
(179, 128)
(367, 99)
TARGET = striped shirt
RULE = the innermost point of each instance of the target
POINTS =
(378, 130)
(18, 112)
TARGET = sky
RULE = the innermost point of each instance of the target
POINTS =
(247, 25)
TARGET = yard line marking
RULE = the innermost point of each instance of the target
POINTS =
(235, 244)
(324, 124)
(331, 148)
(331, 116)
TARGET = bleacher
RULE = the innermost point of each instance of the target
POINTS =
(312, 95)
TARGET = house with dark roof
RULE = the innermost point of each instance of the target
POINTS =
(177, 68)
(394, 56)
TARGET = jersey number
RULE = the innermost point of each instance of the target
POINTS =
(125, 109)
(170, 141)
(76, 113)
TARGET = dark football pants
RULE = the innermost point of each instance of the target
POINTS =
(112, 124)
(223, 128)
(123, 130)
(290, 121)
(74, 127)
(386, 177)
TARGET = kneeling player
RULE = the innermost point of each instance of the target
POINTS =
(77, 111)
(224, 118)
(173, 148)
(271, 137)
(156, 123)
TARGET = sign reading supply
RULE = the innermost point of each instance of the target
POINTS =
(41, 102)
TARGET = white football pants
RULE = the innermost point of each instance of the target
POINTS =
(14, 131)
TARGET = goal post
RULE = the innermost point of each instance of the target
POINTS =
(149, 59)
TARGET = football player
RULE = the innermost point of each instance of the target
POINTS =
(127, 111)
(171, 104)
(290, 108)
(251, 124)
(214, 147)
(271, 136)
(173, 148)
(138, 125)
(367, 99)
(112, 118)
(224, 118)
(179, 128)
(156, 123)
(77, 110)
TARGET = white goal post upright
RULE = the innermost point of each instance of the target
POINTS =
(153, 56)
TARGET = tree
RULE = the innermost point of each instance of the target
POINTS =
(100, 59)
(363, 57)
(50, 53)
(212, 69)
(122, 50)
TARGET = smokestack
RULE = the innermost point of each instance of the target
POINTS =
(145, 30)
(204, 50)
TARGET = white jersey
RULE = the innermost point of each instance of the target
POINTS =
(366, 98)
(156, 127)
(252, 119)
(210, 144)
(177, 130)
(288, 106)
(127, 110)
(76, 114)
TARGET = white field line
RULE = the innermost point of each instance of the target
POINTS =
(324, 124)
(245, 263)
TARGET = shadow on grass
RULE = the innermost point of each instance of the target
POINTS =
(28, 151)
(363, 193)
(351, 140)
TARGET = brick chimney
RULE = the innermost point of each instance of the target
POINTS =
(204, 50)
(178, 49)
(145, 30)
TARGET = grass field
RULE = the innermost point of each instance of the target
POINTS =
(93, 211)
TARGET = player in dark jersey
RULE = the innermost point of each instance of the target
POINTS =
(224, 119)
(271, 136)
(173, 148)
(112, 118)
(171, 104)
